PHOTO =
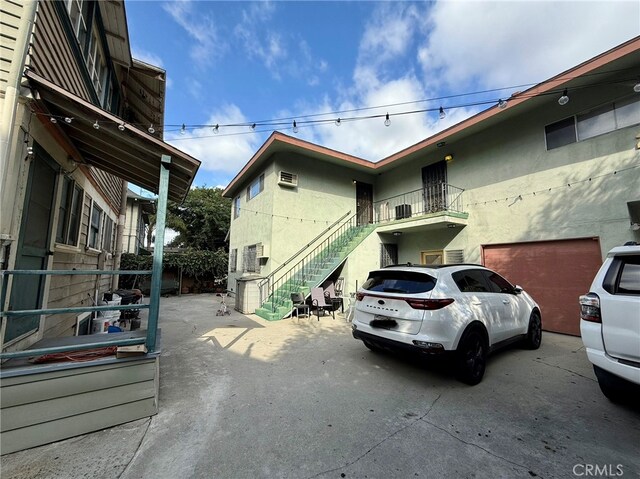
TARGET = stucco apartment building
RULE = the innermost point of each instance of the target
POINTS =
(536, 188)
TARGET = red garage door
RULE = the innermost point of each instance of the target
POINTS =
(554, 273)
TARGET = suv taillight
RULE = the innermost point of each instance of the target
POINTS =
(429, 304)
(590, 308)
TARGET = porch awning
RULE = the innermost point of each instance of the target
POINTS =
(131, 154)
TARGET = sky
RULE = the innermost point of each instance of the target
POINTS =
(240, 63)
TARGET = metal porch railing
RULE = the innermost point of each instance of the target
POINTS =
(430, 199)
(310, 266)
(149, 341)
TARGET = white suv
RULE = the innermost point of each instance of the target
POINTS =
(610, 323)
(467, 310)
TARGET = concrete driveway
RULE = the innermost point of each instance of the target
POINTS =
(244, 398)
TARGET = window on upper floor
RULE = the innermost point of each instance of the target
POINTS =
(255, 188)
(77, 14)
(97, 67)
(598, 121)
(70, 212)
(236, 207)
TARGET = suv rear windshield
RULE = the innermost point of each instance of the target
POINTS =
(405, 282)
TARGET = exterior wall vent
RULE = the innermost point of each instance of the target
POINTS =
(454, 256)
(287, 179)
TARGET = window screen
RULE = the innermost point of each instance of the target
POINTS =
(560, 133)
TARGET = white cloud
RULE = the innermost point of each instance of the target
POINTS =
(201, 28)
(498, 44)
(147, 57)
(225, 152)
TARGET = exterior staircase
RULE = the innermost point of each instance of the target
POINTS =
(311, 271)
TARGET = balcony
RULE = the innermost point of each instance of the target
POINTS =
(437, 204)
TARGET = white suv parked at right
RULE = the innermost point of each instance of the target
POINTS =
(610, 324)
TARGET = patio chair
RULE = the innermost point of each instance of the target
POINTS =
(318, 301)
(299, 304)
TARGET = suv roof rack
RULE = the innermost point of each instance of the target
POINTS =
(434, 266)
(631, 243)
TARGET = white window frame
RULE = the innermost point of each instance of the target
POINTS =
(90, 228)
(256, 187)
(78, 22)
(68, 213)
(236, 207)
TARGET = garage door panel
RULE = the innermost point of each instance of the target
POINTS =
(555, 273)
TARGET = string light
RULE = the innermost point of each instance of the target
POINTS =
(274, 124)
(519, 197)
(96, 125)
(564, 99)
(68, 119)
(295, 127)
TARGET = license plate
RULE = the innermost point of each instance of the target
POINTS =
(384, 322)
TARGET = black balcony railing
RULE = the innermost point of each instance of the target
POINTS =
(437, 198)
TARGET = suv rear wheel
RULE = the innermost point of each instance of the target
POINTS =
(472, 357)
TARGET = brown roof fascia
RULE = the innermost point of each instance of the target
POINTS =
(539, 89)
(277, 137)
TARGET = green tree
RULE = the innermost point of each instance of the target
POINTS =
(204, 219)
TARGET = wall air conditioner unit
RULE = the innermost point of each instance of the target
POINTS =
(454, 256)
(287, 179)
(262, 251)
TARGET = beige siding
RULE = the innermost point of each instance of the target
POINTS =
(52, 56)
(45, 407)
(110, 185)
(10, 13)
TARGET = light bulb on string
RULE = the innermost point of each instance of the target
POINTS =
(253, 126)
(96, 125)
(442, 114)
(338, 122)
(151, 129)
(564, 99)
(387, 120)
(68, 119)
(215, 129)
(121, 127)
(636, 87)
(502, 104)
(295, 127)
(53, 119)
(183, 129)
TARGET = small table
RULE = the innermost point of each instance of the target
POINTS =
(337, 301)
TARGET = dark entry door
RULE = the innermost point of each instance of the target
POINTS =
(33, 244)
(434, 179)
(364, 203)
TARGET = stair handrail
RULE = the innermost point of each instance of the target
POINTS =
(296, 254)
(306, 261)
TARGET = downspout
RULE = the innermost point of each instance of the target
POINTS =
(12, 95)
(119, 234)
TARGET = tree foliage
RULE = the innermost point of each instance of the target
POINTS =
(202, 220)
